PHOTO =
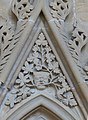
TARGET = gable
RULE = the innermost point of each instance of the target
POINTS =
(39, 61)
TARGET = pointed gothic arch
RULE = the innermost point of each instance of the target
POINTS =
(40, 101)
(15, 63)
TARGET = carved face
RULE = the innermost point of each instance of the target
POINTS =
(41, 79)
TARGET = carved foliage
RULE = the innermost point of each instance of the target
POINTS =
(40, 71)
(60, 9)
(22, 9)
(8, 36)
(78, 41)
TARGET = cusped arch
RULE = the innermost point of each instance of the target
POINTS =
(47, 103)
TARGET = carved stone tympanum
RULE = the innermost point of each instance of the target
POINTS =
(41, 71)
(43, 60)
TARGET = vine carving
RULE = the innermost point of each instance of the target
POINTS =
(40, 71)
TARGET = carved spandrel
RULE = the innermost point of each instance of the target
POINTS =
(9, 36)
(41, 71)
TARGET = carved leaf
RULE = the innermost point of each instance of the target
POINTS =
(24, 92)
(41, 40)
(11, 100)
(49, 57)
(40, 71)
(28, 67)
(22, 9)
(22, 79)
(70, 99)
(36, 48)
(60, 9)
(56, 68)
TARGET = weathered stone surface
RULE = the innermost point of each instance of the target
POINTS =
(43, 59)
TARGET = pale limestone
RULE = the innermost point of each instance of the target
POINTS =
(43, 60)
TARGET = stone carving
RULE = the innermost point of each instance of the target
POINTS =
(22, 9)
(60, 10)
(10, 37)
(76, 44)
(6, 37)
(78, 41)
(40, 71)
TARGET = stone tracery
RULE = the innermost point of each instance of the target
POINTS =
(9, 37)
(76, 44)
(60, 9)
(41, 69)
(22, 9)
